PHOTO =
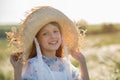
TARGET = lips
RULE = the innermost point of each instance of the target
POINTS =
(53, 42)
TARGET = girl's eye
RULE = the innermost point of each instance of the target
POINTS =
(45, 33)
(56, 31)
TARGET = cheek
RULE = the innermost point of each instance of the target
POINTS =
(60, 38)
(42, 40)
(58, 35)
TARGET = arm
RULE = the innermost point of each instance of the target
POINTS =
(83, 67)
(84, 71)
(17, 75)
(17, 66)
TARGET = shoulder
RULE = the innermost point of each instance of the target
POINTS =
(32, 60)
(30, 63)
(29, 71)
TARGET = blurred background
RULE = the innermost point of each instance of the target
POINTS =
(97, 21)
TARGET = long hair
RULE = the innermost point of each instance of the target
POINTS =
(59, 52)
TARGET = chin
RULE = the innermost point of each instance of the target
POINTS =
(54, 48)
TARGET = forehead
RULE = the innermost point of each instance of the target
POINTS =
(49, 27)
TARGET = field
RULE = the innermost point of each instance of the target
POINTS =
(102, 52)
(103, 56)
(6, 72)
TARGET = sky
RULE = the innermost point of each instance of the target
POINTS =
(92, 11)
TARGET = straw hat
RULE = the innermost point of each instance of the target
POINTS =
(41, 16)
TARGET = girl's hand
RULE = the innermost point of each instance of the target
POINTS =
(17, 64)
(78, 56)
(81, 59)
(16, 61)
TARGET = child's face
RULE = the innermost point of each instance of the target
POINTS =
(49, 38)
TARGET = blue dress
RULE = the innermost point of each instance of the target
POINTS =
(51, 69)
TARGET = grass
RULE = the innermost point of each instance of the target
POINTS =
(102, 28)
(104, 39)
(6, 72)
(3, 46)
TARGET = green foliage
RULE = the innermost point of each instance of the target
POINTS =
(6, 28)
(2, 77)
(2, 33)
(109, 28)
(74, 62)
(3, 49)
(94, 29)
(6, 76)
(98, 28)
(104, 39)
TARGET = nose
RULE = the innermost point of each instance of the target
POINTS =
(52, 35)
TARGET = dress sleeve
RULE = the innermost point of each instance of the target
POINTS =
(28, 72)
(75, 73)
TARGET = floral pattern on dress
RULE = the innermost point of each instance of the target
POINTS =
(55, 64)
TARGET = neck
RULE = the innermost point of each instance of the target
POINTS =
(49, 54)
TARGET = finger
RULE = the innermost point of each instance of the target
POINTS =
(12, 57)
(74, 54)
(20, 61)
(17, 56)
(12, 60)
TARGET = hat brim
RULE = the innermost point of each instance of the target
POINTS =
(43, 15)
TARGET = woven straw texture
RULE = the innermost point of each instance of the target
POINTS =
(41, 16)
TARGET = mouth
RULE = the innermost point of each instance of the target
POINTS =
(53, 42)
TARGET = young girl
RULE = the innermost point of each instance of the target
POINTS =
(48, 38)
